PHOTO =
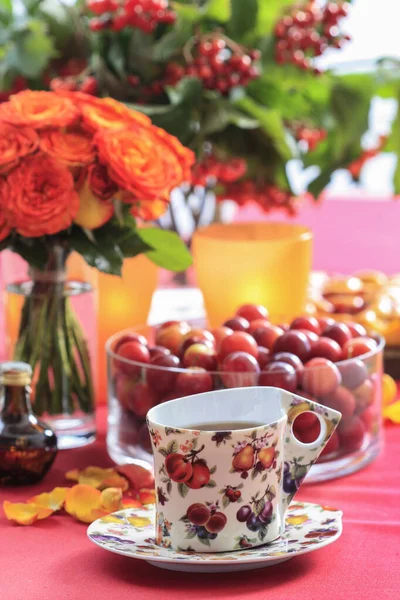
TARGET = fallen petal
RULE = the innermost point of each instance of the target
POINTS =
(54, 499)
(94, 476)
(25, 514)
(84, 503)
(138, 477)
(392, 412)
(111, 499)
(72, 475)
(147, 496)
(115, 481)
(131, 503)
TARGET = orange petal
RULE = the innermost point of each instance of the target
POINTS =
(111, 499)
(131, 503)
(138, 477)
(25, 514)
(72, 475)
(392, 412)
(84, 503)
(115, 481)
(94, 476)
(54, 499)
(147, 496)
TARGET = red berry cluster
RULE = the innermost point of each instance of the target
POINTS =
(268, 196)
(307, 31)
(211, 171)
(140, 14)
(221, 64)
(88, 84)
(356, 166)
(312, 137)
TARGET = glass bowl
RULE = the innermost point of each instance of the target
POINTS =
(134, 387)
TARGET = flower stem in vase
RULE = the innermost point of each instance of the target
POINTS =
(51, 340)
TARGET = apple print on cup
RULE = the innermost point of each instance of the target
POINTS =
(185, 468)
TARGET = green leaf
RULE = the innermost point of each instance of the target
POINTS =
(190, 535)
(5, 11)
(168, 250)
(204, 541)
(187, 91)
(31, 5)
(244, 17)
(187, 12)
(172, 42)
(116, 58)
(271, 123)
(33, 250)
(172, 447)
(211, 484)
(163, 451)
(225, 501)
(183, 489)
(218, 10)
(394, 141)
(269, 12)
(221, 114)
(31, 50)
(106, 257)
(259, 506)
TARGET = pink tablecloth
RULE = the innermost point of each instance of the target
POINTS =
(54, 560)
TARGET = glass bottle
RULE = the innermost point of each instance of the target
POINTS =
(28, 446)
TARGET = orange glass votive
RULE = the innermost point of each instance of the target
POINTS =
(123, 302)
(262, 263)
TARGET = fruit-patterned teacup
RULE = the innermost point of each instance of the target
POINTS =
(227, 465)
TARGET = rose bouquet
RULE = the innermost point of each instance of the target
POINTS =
(76, 174)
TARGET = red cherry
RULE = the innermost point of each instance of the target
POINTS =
(264, 356)
(307, 434)
(364, 396)
(131, 351)
(325, 322)
(219, 334)
(141, 399)
(171, 336)
(320, 377)
(239, 341)
(279, 374)
(257, 323)
(310, 335)
(309, 323)
(251, 312)
(351, 434)
(195, 380)
(326, 348)
(353, 372)
(200, 355)
(358, 346)
(342, 400)
(239, 369)
(294, 342)
(158, 351)
(290, 359)
(332, 446)
(338, 332)
(130, 337)
(268, 335)
(200, 334)
(162, 377)
(191, 341)
(237, 324)
(356, 329)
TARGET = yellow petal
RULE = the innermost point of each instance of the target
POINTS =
(54, 499)
(392, 412)
(25, 514)
(94, 476)
(389, 389)
(111, 499)
(297, 520)
(72, 475)
(139, 521)
(115, 481)
(84, 503)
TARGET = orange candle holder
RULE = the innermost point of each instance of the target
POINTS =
(123, 302)
(264, 263)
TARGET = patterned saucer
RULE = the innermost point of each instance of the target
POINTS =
(131, 532)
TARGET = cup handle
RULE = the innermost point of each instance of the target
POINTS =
(299, 457)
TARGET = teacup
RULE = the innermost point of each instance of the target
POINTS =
(221, 490)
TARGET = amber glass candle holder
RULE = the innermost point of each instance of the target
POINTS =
(264, 263)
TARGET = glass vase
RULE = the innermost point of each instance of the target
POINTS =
(49, 322)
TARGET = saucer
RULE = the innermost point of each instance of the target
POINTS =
(131, 533)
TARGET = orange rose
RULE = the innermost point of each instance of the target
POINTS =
(100, 183)
(73, 148)
(105, 113)
(15, 143)
(38, 110)
(39, 196)
(144, 161)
